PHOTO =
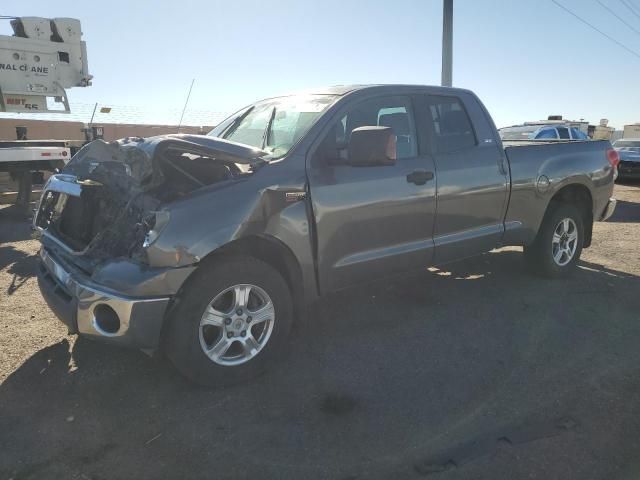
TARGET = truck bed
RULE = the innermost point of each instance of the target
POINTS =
(539, 167)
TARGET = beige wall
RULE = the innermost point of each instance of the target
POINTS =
(116, 131)
(41, 130)
(46, 130)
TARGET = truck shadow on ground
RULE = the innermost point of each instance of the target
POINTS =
(19, 264)
(415, 366)
(626, 212)
(18, 218)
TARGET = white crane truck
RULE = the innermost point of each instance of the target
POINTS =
(38, 62)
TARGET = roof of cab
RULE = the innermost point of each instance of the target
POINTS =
(345, 89)
(340, 89)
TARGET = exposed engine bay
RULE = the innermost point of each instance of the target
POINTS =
(109, 197)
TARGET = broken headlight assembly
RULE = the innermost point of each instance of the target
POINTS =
(154, 223)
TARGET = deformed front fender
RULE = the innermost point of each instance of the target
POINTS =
(201, 225)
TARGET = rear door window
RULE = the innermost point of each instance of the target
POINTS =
(452, 128)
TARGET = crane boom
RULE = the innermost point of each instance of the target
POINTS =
(41, 59)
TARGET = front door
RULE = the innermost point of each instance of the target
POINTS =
(375, 220)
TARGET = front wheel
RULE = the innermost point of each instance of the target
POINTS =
(557, 248)
(230, 322)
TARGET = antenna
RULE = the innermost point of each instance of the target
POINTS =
(185, 104)
(93, 114)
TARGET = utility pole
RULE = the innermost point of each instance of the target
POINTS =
(447, 42)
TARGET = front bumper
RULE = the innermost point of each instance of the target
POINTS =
(80, 304)
(608, 210)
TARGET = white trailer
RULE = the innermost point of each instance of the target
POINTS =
(54, 152)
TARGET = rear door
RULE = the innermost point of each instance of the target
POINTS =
(371, 221)
(472, 176)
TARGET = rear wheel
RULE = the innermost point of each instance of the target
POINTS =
(231, 321)
(558, 246)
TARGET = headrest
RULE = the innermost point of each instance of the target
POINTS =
(454, 122)
(399, 122)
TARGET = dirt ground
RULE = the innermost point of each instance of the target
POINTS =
(476, 371)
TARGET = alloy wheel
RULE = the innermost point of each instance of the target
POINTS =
(237, 324)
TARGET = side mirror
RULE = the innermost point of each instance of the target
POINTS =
(372, 146)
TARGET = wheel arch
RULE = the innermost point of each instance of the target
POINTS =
(580, 196)
(266, 248)
(271, 251)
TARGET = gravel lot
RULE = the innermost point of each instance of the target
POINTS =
(475, 371)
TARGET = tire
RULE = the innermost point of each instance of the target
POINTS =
(186, 339)
(543, 256)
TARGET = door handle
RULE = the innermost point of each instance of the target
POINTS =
(419, 177)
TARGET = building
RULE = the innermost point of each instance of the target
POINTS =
(64, 130)
(601, 131)
(631, 131)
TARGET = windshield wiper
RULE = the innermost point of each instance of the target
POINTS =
(236, 121)
(265, 136)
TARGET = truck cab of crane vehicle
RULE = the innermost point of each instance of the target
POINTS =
(39, 61)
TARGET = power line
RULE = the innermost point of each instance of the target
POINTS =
(619, 17)
(633, 6)
(630, 7)
(633, 52)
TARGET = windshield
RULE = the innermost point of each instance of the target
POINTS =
(627, 144)
(274, 125)
(517, 133)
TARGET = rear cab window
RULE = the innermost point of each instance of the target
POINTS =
(452, 127)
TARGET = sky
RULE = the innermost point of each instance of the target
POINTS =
(525, 59)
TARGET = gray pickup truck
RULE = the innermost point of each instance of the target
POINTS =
(209, 247)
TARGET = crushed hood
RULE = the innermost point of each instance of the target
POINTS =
(134, 158)
(111, 194)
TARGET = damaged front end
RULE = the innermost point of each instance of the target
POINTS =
(98, 219)
(107, 203)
